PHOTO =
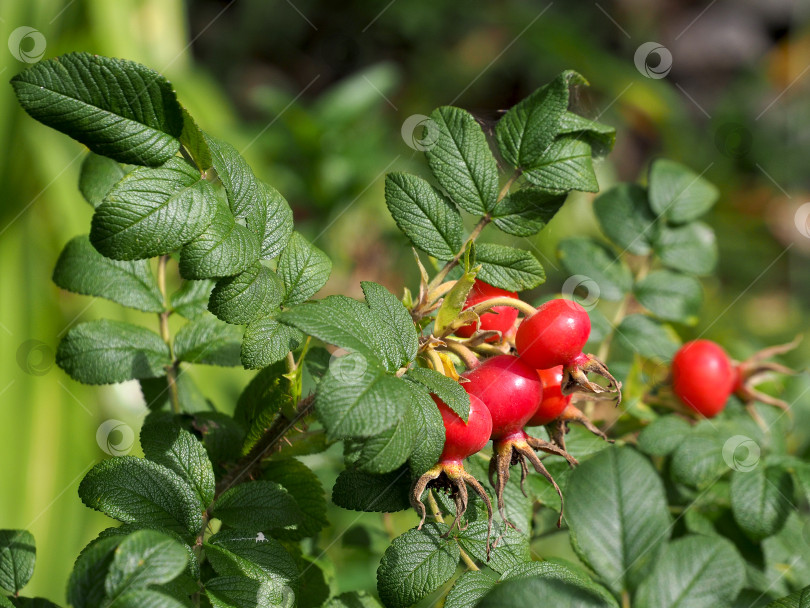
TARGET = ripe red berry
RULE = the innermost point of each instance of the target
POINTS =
(501, 318)
(554, 335)
(463, 439)
(554, 402)
(510, 389)
(703, 377)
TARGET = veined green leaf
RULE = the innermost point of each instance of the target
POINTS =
(258, 505)
(600, 137)
(670, 296)
(86, 584)
(678, 192)
(106, 352)
(527, 211)
(446, 389)
(360, 491)
(469, 589)
(247, 296)
(508, 268)
(565, 165)
(647, 337)
(144, 558)
(117, 108)
(626, 218)
(243, 592)
(429, 220)
(267, 341)
(584, 256)
(208, 341)
(396, 336)
(81, 269)
(17, 557)
(98, 176)
(303, 268)
(191, 300)
(237, 552)
(690, 248)
(759, 500)
(462, 162)
(153, 211)
(307, 491)
(193, 139)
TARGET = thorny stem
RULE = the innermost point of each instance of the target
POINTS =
(249, 465)
(437, 514)
(171, 369)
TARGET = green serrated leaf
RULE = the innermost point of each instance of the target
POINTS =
(387, 451)
(224, 248)
(586, 257)
(427, 218)
(527, 211)
(153, 211)
(156, 394)
(106, 352)
(508, 268)
(191, 300)
(237, 552)
(691, 248)
(759, 500)
(600, 137)
(446, 389)
(81, 269)
(134, 490)
(117, 108)
(86, 584)
(247, 296)
(304, 486)
(266, 394)
(178, 450)
(415, 564)
(18, 555)
(797, 599)
(303, 268)
(257, 505)
(193, 140)
(626, 218)
(144, 558)
(565, 165)
(678, 192)
(617, 512)
(462, 162)
(98, 176)
(361, 401)
(243, 592)
(512, 548)
(396, 334)
(453, 303)
(271, 219)
(209, 341)
(147, 597)
(663, 436)
(359, 491)
(429, 428)
(561, 575)
(267, 341)
(469, 589)
(694, 571)
(670, 296)
(526, 131)
(643, 335)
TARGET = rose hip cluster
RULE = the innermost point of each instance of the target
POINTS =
(529, 385)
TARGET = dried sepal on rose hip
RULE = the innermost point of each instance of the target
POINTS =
(555, 335)
(556, 410)
(462, 440)
(511, 390)
(757, 368)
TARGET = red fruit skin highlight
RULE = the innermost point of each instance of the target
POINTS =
(501, 319)
(463, 439)
(554, 402)
(703, 377)
(510, 389)
(554, 335)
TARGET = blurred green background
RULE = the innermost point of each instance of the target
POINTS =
(316, 94)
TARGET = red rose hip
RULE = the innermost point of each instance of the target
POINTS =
(500, 318)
